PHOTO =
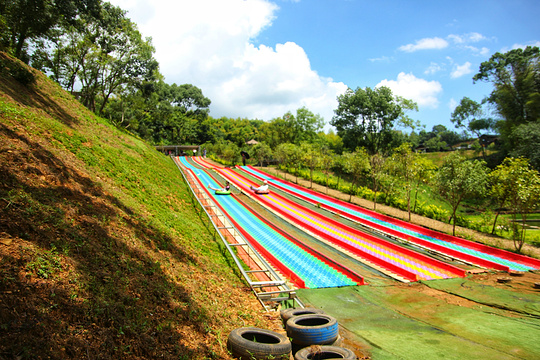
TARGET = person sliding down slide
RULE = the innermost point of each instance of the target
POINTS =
(263, 189)
(222, 191)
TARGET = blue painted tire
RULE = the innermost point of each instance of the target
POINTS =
(312, 329)
(324, 352)
(286, 314)
(251, 343)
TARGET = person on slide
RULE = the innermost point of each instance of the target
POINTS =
(263, 189)
(223, 190)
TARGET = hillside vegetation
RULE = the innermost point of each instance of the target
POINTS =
(103, 254)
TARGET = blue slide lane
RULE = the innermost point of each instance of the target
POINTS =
(314, 272)
(511, 264)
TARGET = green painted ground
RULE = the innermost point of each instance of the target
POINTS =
(443, 319)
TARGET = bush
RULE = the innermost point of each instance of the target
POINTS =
(18, 72)
(432, 211)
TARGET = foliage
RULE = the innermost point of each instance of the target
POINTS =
(516, 185)
(355, 165)
(527, 140)
(516, 94)
(458, 179)
(262, 152)
(304, 126)
(406, 168)
(20, 73)
(469, 114)
(365, 118)
(36, 20)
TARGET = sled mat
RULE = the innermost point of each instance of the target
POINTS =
(414, 321)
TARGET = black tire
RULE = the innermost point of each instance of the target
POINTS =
(312, 329)
(286, 314)
(253, 343)
(324, 352)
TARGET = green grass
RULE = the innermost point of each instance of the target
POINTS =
(122, 260)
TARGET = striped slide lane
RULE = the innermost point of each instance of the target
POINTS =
(421, 266)
(481, 256)
(314, 272)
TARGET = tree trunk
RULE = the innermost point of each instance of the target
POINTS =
(495, 222)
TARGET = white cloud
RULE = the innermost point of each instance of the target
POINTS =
(423, 92)
(461, 70)
(384, 59)
(522, 46)
(433, 68)
(210, 44)
(425, 44)
(452, 104)
(478, 51)
(467, 38)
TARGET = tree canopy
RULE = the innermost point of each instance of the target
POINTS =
(365, 118)
(515, 76)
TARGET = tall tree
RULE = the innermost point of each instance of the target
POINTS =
(516, 185)
(468, 114)
(26, 20)
(305, 125)
(378, 174)
(515, 76)
(459, 179)
(404, 161)
(262, 152)
(356, 165)
(365, 118)
(527, 140)
(311, 157)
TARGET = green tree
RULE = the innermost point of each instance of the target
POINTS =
(468, 114)
(304, 126)
(516, 185)
(516, 95)
(365, 118)
(311, 158)
(27, 21)
(275, 132)
(458, 179)
(104, 54)
(356, 165)
(378, 174)
(289, 155)
(404, 165)
(527, 140)
(262, 152)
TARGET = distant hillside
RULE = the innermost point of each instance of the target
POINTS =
(103, 255)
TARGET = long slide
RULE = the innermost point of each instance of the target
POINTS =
(464, 250)
(395, 261)
(302, 265)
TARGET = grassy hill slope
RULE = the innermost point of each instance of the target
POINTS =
(102, 252)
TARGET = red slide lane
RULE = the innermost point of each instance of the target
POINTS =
(359, 280)
(389, 231)
(402, 272)
(535, 263)
(265, 253)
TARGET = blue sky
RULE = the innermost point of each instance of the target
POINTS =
(261, 58)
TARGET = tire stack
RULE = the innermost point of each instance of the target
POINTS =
(314, 335)
(251, 343)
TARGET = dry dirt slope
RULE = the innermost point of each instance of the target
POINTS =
(101, 253)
